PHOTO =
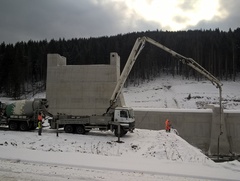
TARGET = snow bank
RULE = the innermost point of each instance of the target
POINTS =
(144, 151)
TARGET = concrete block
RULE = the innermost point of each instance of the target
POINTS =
(81, 89)
(55, 60)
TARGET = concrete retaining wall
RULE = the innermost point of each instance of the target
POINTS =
(196, 127)
(232, 119)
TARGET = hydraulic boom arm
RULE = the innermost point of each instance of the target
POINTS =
(137, 48)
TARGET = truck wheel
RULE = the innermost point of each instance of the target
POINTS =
(122, 132)
(80, 130)
(68, 128)
(13, 126)
(23, 126)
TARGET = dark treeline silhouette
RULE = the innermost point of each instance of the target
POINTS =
(23, 66)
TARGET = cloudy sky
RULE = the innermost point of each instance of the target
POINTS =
(23, 20)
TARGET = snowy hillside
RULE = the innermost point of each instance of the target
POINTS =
(168, 92)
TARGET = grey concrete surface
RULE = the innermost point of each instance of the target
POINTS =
(80, 89)
(200, 128)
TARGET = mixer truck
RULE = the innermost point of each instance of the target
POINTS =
(22, 114)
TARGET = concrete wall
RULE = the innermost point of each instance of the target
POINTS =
(232, 120)
(198, 127)
(193, 125)
(80, 89)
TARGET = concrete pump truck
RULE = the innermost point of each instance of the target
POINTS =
(123, 117)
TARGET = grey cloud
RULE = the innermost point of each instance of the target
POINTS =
(187, 4)
(34, 19)
(181, 19)
(231, 20)
(22, 20)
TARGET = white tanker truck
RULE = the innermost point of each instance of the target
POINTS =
(22, 114)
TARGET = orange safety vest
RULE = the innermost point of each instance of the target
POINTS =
(39, 117)
(167, 125)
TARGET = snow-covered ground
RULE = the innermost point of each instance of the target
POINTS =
(143, 155)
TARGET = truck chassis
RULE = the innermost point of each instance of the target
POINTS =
(84, 124)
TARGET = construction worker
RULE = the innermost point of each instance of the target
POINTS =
(39, 123)
(167, 125)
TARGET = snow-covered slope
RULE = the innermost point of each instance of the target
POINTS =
(157, 145)
(169, 92)
(143, 155)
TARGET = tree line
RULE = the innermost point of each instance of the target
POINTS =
(23, 65)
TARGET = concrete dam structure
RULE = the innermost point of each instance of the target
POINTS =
(87, 89)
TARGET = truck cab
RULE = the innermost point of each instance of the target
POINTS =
(125, 116)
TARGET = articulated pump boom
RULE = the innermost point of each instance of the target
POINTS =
(136, 50)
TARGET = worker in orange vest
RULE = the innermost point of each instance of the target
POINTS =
(167, 125)
(40, 123)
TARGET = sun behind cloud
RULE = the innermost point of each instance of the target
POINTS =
(174, 14)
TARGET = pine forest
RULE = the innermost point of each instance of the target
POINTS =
(23, 65)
